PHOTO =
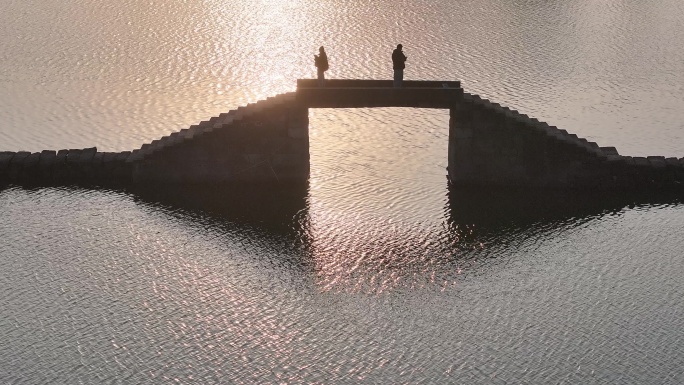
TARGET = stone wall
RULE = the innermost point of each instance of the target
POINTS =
(65, 167)
(492, 145)
(263, 142)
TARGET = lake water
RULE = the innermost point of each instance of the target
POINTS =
(374, 272)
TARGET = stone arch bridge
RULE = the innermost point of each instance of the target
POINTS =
(268, 141)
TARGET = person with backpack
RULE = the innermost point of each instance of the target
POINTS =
(321, 62)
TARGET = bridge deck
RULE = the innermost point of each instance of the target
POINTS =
(351, 93)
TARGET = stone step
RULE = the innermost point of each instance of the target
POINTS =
(609, 150)
(133, 156)
(224, 122)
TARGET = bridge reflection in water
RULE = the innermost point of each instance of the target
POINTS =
(281, 218)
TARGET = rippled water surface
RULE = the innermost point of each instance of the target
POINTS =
(374, 272)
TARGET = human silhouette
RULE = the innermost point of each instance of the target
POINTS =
(321, 62)
(398, 63)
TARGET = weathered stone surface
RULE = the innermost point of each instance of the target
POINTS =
(60, 171)
(97, 160)
(73, 156)
(628, 160)
(19, 157)
(17, 164)
(47, 160)
(640, 161)
(123, 156)
(61, 157)
(30, 166)
(109, 160)
(87, 155)
(32, 160)
(5, 159)
(657, 161)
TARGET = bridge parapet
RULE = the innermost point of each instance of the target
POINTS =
(351, 93)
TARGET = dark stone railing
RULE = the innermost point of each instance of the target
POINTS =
(377, 93)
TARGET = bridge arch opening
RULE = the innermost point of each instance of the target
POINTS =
(373, 160)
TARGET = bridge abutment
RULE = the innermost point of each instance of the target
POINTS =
(264, 142)
(490, 145)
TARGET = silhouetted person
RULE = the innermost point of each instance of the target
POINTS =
(321, 62)
(398, 63)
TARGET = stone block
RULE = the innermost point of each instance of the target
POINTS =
(109, 160)
(656, 161)
(32, 160)
(17, 164)
(61, 157)
(98, 159)
(5, 159)
(609, 150)
(47, 160)
(19, 158)
(640, 161)
(497, 108)
(522, 118)
(60, 169)
(87, 155)
(134, 156)
(627, 160)
(545, 129)
(73, 156)
(462, 133)
(30, 166)
(672, 162)
(509, 115)
(123, 156)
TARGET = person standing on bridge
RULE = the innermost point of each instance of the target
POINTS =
(398, 63)
(321, 62)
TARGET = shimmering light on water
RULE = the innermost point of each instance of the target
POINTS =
(375, 272)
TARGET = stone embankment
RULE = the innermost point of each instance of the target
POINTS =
(493, 145)
(65, 167)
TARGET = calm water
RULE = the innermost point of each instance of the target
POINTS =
(374, 272)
